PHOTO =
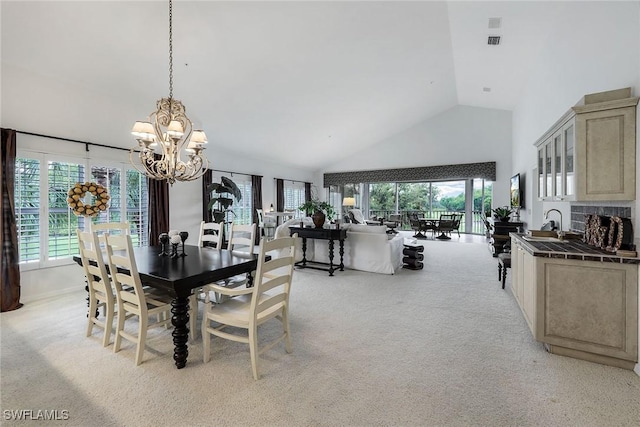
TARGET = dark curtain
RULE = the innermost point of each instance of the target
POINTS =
(207, 180)
(256, 200)
(279, 195)
(307, 191)
(158, 209)
(10, 288)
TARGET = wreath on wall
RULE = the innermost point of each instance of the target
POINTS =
(77, 193)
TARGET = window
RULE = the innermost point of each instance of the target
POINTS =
(62, 224)
(45, 224)
(27, 200)
(293, 195)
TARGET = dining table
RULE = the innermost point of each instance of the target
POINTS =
(427, 224)
(180, 275)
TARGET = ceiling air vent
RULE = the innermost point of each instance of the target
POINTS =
(493, 40)
(495, 23)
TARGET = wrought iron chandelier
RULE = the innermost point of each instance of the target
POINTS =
(169, 148)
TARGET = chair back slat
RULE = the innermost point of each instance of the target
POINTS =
(242, 238)
(211, 234)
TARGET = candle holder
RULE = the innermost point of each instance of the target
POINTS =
(175, 241)
(164, 244)
(183, 236)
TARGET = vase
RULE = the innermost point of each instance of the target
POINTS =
(318, 219)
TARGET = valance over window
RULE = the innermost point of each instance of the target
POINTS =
(486, 170)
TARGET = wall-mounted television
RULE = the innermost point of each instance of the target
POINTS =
(516, 192)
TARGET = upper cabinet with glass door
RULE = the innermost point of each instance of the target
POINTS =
(556, 163)
(589, 154)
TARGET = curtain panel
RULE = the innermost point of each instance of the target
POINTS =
(10, 288)
(158, 209)
(279, 195)
(256, 201)
(307, 191)
(485, 170)
(207, 180)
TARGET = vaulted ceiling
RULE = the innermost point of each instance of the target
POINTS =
(274, 77)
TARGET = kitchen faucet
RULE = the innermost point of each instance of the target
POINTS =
(546, 216)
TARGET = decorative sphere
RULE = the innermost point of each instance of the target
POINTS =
(173, 232)
(175, 239)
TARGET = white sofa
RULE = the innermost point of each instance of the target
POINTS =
(366, 248)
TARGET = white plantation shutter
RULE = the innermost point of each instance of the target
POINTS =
(62, 223)
(47, 226)
(27, 208)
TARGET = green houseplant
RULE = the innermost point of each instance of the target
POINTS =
(319, 211)
(502, 213)
(223, 195)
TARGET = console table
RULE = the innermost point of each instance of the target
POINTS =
(330, 234)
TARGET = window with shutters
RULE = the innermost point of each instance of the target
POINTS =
(46, 225)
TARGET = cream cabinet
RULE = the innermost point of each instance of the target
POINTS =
(523, 283)
(556, 163)
(589, 153)
(577, 307)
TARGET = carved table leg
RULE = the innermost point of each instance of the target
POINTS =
(180, 320)
(341, 255)
(331, 269)
(304, 251)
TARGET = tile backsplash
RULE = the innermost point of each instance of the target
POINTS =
(579, 211)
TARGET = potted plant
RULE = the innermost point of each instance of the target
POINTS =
(502, 213)
(223, 194)
(319, 211)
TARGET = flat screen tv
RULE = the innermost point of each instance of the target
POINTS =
(516, 192)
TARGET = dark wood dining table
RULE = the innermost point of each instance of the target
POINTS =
(179, 276)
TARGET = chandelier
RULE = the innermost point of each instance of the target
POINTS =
(169, 148)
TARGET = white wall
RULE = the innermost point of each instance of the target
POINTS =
(599, 51)
(459, 135)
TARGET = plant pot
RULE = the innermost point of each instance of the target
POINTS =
(505, 219)
(318, 219)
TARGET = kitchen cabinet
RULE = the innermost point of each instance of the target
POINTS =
(589, 153)
(579, 301)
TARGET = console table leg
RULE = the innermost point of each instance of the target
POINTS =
(331, 269)
(180, 320)
(341, 255)
(304, 251)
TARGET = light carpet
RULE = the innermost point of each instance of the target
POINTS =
(444, 346)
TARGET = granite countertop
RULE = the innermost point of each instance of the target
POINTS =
(571, 249)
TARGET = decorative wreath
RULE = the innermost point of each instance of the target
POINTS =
(79, 190)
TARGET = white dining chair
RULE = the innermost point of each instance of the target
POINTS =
(241, 243)
(133, 302)
(98, 285)
(248, 308)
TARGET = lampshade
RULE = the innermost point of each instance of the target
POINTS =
(349, 201)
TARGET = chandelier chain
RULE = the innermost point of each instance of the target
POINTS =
(170, 50)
